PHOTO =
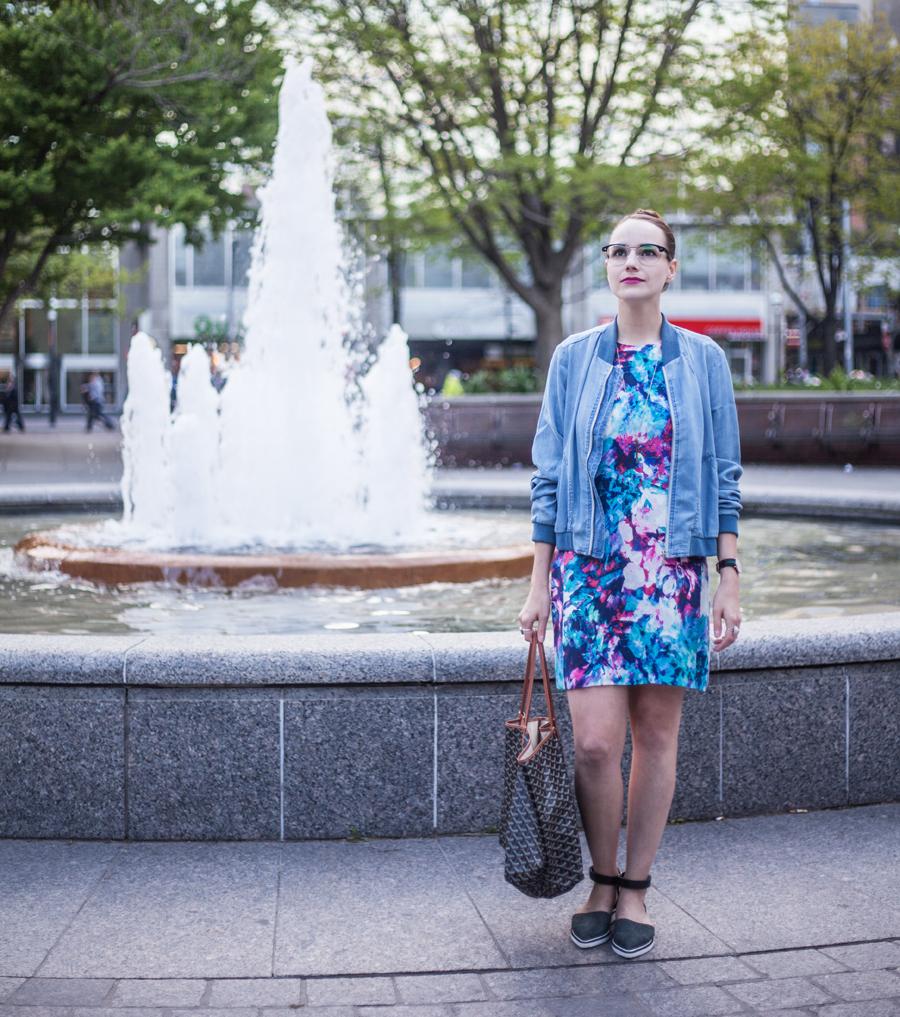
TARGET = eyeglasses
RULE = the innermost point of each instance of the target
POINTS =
(645, 252)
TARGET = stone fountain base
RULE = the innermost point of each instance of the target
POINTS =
(46, 551)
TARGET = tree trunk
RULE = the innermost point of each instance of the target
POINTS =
(548, 326)
(395, 280)
(829, 340)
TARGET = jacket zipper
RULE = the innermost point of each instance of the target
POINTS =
(672, 470)
(588, 459)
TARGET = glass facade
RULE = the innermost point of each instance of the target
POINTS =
(438, 269)
(223, 260)
(69, 330)
(77, 380)
(101, 331)
(731, 269)
(37, 331)
(242, 242)
(209, 263)
(9, 335)
(443, 268)
(693, 263)
(180, 258)
(475, 271)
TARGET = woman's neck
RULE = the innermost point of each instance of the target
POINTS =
(639, 324)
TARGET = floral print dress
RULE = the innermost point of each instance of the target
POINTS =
(635, 617)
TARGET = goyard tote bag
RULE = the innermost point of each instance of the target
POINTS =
(538, 822)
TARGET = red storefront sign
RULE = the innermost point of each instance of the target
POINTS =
(736, 329)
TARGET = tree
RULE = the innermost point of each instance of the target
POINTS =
(530, 121)
(805, 129)
(115, 113)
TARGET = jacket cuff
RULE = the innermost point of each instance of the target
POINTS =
(728, 524)
(543, 534)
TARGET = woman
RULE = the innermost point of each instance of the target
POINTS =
(636, 483)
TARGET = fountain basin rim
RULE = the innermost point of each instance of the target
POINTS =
(46, 551)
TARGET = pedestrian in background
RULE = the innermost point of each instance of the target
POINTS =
(637, 467)
(11, 404)
(95, 394)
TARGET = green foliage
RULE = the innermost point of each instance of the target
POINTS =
(209, 331)
(118, 114)
(836, 381)
(803, 126)
(524, 125)
(509, 379)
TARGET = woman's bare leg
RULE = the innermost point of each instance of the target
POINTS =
(655, 715)
(599, 718)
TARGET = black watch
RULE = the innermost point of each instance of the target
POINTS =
(729, 563)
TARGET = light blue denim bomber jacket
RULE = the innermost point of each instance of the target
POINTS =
(704, 499)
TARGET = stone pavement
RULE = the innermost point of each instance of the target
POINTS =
(780, 915)
(66, 468)
(869, 493)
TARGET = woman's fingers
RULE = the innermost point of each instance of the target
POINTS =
(724, 637)
(536, 610)
(717, 620)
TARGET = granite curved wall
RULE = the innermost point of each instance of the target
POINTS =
(296, 737)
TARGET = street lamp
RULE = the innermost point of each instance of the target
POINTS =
(773, 346)
(52, 367)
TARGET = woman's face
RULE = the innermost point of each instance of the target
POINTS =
(632, 278)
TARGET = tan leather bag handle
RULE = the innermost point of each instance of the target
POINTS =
(536, 647)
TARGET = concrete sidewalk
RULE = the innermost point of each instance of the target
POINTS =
(75, 471)
(785, 914)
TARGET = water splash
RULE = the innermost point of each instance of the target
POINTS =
(293, 453)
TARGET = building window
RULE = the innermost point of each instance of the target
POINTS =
(819, 13)
(209, 263)
(875, 299)
(181, 258)
(755, 268)
(9, 336)
(476, 274)
(101, 331)
(68, 330)
(694, 261)
(76, 381)
(730, 263)
(37, 331)
(599, 280)
(438, 269)
(241, 243)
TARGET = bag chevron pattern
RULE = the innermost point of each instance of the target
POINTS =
(538, 818)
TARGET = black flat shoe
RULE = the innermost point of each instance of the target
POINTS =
(593, 928)
(633, 939)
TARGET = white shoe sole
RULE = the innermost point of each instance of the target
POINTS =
(587, 944)
(637, 952)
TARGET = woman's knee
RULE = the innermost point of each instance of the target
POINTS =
(598, 749)
(655, 735)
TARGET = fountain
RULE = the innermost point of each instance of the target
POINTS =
(310, 466)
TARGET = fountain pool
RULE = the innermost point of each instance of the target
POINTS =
(793, 569)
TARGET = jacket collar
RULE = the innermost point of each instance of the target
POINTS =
(606, 346)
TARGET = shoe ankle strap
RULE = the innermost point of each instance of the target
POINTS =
(633, 884)
(603, 880)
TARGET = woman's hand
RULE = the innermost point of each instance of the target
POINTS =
(726, 609)
(537, 606)
(536, 609)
